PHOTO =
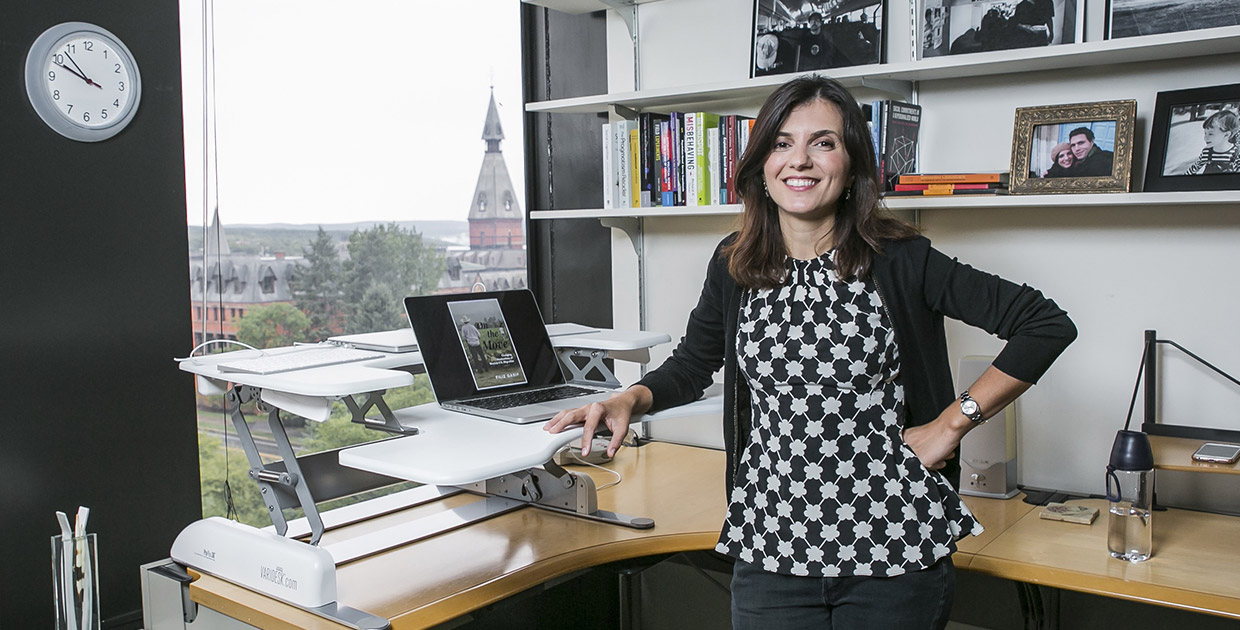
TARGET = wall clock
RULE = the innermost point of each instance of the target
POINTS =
(82, 81)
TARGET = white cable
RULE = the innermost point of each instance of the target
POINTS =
(207, 343)
(619, 477)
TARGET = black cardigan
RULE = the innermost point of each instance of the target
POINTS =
(919, 286)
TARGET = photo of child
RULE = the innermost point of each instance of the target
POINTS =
(1201, 139)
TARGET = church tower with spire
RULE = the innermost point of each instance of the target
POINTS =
(495, 218)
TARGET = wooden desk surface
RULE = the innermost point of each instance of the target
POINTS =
(1194, 566)
(440, 578)
(1171, 453)
(1195, 563)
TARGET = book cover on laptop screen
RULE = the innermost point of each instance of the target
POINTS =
(487, 344)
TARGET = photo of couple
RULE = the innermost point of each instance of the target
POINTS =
(1076, 150)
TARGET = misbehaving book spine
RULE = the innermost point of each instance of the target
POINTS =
(691, 158)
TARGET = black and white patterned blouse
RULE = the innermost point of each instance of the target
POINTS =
(826, 485)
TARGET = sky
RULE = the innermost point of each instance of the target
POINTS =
(334, 112)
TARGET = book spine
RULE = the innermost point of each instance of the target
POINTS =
(609, 174)
(714, 165)
(705, 123)
(981, 186)
(945, 193)
(665, 179)
(643, 162)
(620, 141)
(691, 157)
(946, 178)
(656, 164)
(678, 157)
(635, 167)
(876, 136)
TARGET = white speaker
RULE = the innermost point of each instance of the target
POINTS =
(988, 452)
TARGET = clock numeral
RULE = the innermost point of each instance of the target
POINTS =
(85, 116)
(105, 53)
(103, 114)
(118, 69)
(58, 59)
(122, 86)
(56, 95)
(70, 48)
(70, 108)
(116, 103)
(88, 45)
(51, 75)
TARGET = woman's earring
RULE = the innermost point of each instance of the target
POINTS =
(766, 190)
(847, 194)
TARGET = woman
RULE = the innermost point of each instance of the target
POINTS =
(1061, 161)
(840, 418)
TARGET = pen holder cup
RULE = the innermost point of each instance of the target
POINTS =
(75, 582)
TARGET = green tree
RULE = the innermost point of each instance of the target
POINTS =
(386, 263)
(273, 325)
(316, 288)
(245, 497)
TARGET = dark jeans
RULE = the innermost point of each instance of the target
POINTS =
(921, 600)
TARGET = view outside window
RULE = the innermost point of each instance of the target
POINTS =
(339, 157)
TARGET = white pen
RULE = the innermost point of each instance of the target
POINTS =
(66, 570)
(85, 586)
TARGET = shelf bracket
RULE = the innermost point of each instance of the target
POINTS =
(626, 113)
(631, 226)
(895, 87)
(627, 10)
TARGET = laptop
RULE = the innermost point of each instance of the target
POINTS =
(383, 341)
(488, 354)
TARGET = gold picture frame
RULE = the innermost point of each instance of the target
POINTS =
(1098, 155)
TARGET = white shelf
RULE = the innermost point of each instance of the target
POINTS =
(583, 6)
(1099, 200)
(1217, 41)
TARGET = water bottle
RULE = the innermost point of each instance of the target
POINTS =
(1130, 491)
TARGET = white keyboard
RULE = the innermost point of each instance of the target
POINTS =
(310, 357)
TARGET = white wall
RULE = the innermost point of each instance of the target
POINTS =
(1117, 271)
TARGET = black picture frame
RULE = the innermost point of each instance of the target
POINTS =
(1177, 114)
(816, 36)
(957, 27)
(1137, 18)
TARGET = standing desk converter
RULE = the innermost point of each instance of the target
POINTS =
(449, 452)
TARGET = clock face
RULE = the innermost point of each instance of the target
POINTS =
(82, 81)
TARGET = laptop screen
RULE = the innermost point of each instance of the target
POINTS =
(482, 343)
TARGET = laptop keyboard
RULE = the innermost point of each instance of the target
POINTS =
(517, 399)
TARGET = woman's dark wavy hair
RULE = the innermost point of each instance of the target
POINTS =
(756, 257)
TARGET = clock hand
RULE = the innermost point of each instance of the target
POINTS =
(78, 74)
(83, 72)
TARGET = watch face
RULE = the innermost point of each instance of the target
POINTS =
(82, 81)
(969, 407)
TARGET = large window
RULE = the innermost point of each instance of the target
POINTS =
(337, 159)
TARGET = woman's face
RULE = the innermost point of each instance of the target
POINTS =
(1064, 158)
(809, 168)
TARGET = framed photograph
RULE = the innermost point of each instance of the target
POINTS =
(1132, 18)
(1193, 141)
(801, 36)
(1078, 148)
(954, 27)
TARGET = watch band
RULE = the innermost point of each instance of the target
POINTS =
(970, 408)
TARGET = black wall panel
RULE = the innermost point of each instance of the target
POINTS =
(94, 304)
(565, 56)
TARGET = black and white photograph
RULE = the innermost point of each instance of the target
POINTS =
(1076, 148)
(954, 27)
(1133, 18)
(796, 37)
(1193, 142)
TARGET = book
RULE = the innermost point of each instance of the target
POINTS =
(623, 153)
(666, 177)
(677, 141)
(945, 192)
(876, 135)
(946, 178)
(648, 142)
(635, 166)
(900, 125)
(609, 173)
(962, 186)
(1082, 514)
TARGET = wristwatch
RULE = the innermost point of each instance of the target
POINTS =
(970, 408)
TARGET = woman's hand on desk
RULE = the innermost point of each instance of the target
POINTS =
(614, 413)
